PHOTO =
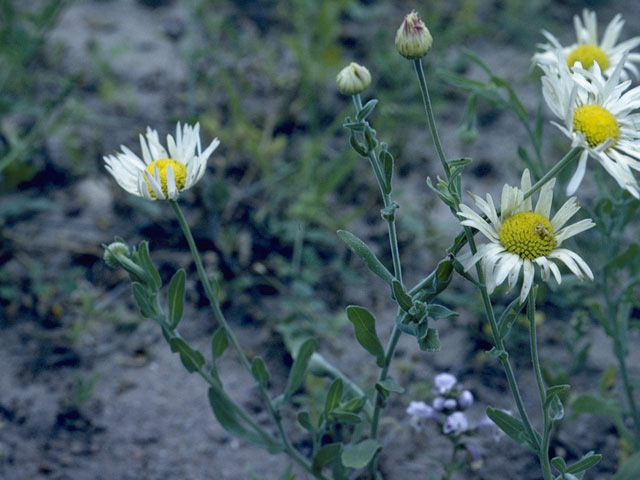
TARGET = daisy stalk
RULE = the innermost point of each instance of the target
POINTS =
(389, 216)
(541, 447)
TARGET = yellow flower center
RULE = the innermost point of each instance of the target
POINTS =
(179, 173)
(596, 123)
(586, 55)
(527, 234)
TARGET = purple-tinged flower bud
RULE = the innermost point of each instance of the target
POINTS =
(420, 410)
(444, 382)
(465, 399)
(413, 39)
(450, 404)
(456, 424)
(438, 403)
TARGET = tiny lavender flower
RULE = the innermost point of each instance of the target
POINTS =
(420, 410)
(444, 382)
(456, 424)
(450, 404)
(438, 403)
(465, 399)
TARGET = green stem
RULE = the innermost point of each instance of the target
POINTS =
(397, 269)
(417, 64)
(291, 451)
(486, 301)
(546, 434)
(557, 168)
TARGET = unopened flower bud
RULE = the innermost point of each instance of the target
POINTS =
(353, 79)
(113, 250)
(444, 382)
(465, 399)
(456, 424)
(413, 39)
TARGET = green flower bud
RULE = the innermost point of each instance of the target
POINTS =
(353, 79)
(115, 250)
(413, 39)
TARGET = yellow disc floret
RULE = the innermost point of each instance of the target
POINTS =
(596, 123)
(586, 55)
(179, 173)
(527, 234)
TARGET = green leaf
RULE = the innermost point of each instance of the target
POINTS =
(587, 461)
(390, 385)
(299, 366)
(147, 264)
(630, 469)
(556, 410)
(361, 249)
(404, 301)
(360, 454)
(440, 311)
(509, 316)
(304, 419)
(345, 417)
(230, 417)
(430, 342)
(387, 165)
(364, 325)
(555, 390)
(367, 109)
(191, 358)
(334, 396)
(144, 300)
(356, 145)
(511, 426)
(500, 354)
(444, 274)
(327, 454)
(219, 343)
(355, 404)
(357, 126)
(259, 371)
(176, 298)
(559, 464)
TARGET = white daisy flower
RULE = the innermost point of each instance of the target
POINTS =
(160, 175)
(598, 115)
(521, 237)
(588, 51)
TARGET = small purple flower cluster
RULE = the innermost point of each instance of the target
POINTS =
(446, 407)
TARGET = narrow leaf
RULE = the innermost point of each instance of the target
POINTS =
(304, 419)
(191, 358)
(259, 371)
(586, 462)
(342, 416)
(403, 299)
(387, 165)
(176, 298)
(559, 464)
(359, 455)
(555, 390)
(440, 311)
(143, 299)
(511, 426)
(228, 414)
(366, 255)
(390, 385)
(334, 396)
(299, 366)
(147, 264)
(364, 325)
(367, 109)
(509, 316)
(219, 343)
(327, 454)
